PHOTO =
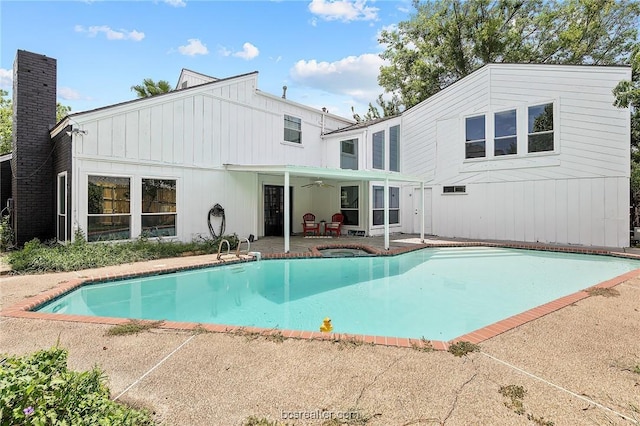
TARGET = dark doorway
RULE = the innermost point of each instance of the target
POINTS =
(274, 210)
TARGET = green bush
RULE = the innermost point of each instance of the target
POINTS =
(39, 257)
(38, 389)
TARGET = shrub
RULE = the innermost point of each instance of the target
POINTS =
(38, 389)
(38, 257)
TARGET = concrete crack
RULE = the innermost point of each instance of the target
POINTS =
(455, 400)
(364, 388)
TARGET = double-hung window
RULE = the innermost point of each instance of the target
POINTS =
(292, 129)
(540, 128)
(506, 135)
(109, 208)
(349, 154)
(158, 207)
(475, 137)
(378, 205)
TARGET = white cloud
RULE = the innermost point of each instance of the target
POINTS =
(195, 47)
(343, 10)
(355, 76)
(248, 52)
(6, 78)
(223, 51)
(111, 34)
(176, 3)
(68, 94)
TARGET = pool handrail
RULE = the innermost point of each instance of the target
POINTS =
(220, 247)
(239, 243)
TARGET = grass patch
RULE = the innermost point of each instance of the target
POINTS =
(605, 292)
(423, 345)
(39, 389)
(132, 327)
(348, 342)
(38, 257)
(272, 335)
(462, 348)
(515, 395)
(636, 369)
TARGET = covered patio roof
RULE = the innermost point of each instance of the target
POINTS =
(331, 173)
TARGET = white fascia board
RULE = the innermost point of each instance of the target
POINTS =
(325, 172)
(307, 107)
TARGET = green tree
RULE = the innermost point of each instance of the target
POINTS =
(6, 120)
(389, 108)
(151, 88)
(627, 94)
(446, 40)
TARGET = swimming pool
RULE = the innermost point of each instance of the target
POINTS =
(436, 293)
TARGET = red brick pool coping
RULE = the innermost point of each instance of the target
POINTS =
(23, 308)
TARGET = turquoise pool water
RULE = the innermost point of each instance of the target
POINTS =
(437, 293)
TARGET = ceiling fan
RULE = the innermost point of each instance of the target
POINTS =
(319, 184)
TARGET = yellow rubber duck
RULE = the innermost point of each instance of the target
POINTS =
(326, 326)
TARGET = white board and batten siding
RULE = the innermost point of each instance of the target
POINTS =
(576, 194)
(189, 135)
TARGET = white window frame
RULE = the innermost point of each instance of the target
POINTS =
(358, 209)
(374, 208)
(384, 149)
(555, 130)
(516, 135)
(59, 189)
(353, 156)
(287, 118)
(132, 195)
(142, 213)
(466, 142)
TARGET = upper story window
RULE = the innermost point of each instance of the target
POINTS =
(506, 135)
(540, 128)
(378, 150)
(394, 148)
(475, 137)
(292, 129)
(349, 154)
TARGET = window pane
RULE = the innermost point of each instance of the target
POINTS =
(394, 216)
(378, 197)
(394, 197)
(62, 194)
(540, 118)
(378, 217)
(394, 148)
(350, 217)
(292, 123)
(158, 196)
(541, 142)
(378, 150)
(474, 149)
(105, 228)
(161, 225)
(292, 136)
(505, 123)
(108, 195)
(475, 128)
(506, 146)
(349, 154)
(349, 197)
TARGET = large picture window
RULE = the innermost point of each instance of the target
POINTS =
(394, 148)
(158, 207)
(349, 205)
(475, 137)
(109, 208)
(378, 150)
(292, 129)
(506, 139)
(349, 154)
(541, 128)
(378, 205)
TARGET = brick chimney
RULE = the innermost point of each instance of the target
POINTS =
(34, 113)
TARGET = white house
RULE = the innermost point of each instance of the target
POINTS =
(510, 152)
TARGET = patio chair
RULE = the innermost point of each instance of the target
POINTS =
(309, 224)
(335, 225)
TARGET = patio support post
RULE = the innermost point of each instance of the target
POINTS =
(422, 212)
(386, 214)
(287, 219)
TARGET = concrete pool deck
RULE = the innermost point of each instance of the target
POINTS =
(577, 364)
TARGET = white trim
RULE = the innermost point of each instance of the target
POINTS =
(66, 206)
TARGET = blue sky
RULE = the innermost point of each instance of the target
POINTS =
(324, 51)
